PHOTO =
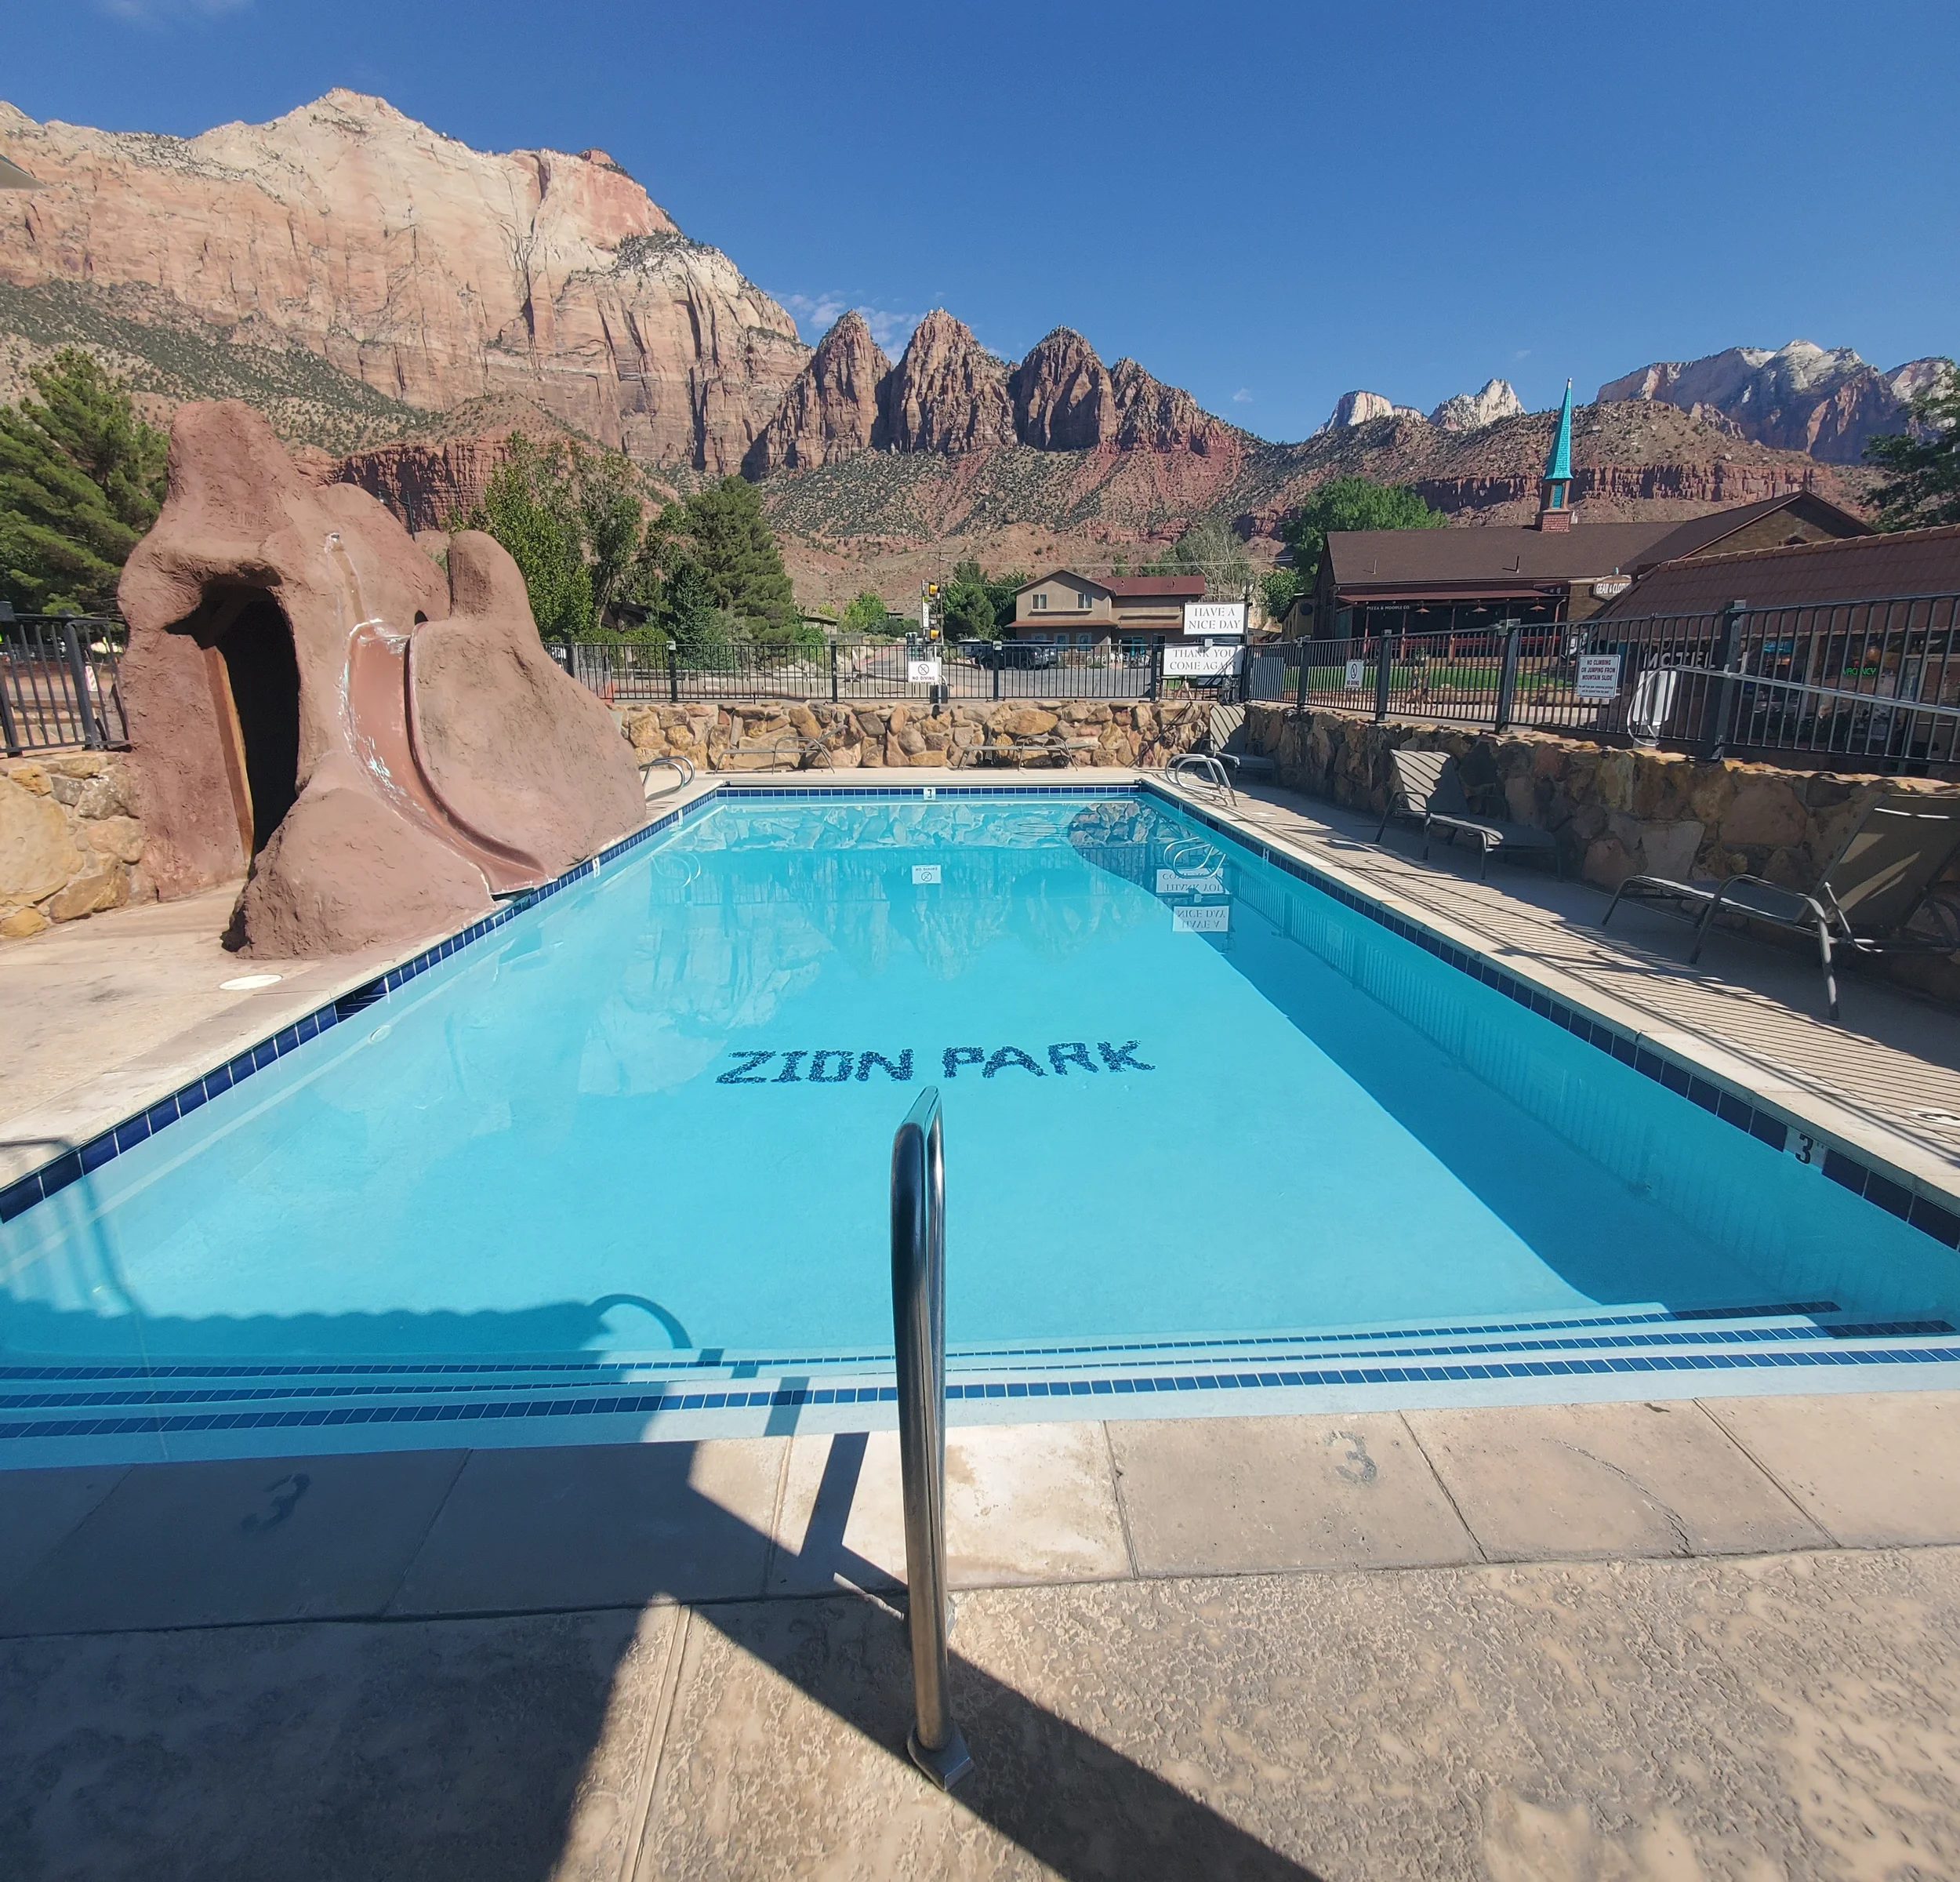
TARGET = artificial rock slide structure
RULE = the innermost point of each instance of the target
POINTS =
(366, 721)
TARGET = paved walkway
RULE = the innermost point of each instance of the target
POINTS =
(1619, 1642)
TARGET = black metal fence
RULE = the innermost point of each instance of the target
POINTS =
(844, 671)
(1875, 684)
(58, 682)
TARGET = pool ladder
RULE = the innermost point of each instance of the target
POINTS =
(1199, 771)
(919, 1328)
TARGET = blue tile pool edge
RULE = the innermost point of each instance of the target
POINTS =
(1937, 1215)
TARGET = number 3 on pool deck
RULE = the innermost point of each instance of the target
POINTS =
(1806, 1149)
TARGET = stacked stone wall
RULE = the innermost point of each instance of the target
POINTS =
(1615, 812)
(824, 737)
(70, 842)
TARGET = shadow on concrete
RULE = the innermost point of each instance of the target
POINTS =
(220, 1738)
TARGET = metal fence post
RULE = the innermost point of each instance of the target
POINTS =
(833, 647)
(8, 729)
(1300, 691)
(1384, 663)
(674, 676)
(1156, 669)
(1507, 677)
(1720, 705)
(919, 1328)
(91, 734)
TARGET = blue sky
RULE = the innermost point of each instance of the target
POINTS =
(1267, 203)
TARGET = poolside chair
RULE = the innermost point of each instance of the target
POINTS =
(1875, 885)
(1427, 784)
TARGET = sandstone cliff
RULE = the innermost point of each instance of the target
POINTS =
(1825, 400)
(831, 409)
(948, 393)
(431, 273)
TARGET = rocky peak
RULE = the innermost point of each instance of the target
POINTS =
(830, 411)
(1153, 416)
(1362, 407)
(1063, 399)
(1802, 396)
(1472, 411)
(947, 394)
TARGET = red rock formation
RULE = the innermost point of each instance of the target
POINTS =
(1063, 399)
(1153, 416)
(831, 409)
(947, 394)
(424, 485)
(307, 690)
(434, 272)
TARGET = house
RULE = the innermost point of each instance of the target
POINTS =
(1557, 568)
(1064, 609)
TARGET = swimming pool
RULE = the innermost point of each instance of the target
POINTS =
(1205, 1119)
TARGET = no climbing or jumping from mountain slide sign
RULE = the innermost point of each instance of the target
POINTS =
(1071, 1058)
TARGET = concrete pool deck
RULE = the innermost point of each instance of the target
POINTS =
(1605, 1642)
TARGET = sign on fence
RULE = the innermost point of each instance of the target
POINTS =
(1357, 675)
(1196, 662)
(1599, 677)
(922, 673)
(1215, 617)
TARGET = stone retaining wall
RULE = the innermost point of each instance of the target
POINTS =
(745, 737)
(1615, 812)
(70, 843)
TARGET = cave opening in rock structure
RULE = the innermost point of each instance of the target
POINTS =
(254, 640)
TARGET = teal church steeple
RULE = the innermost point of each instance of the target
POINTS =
(1555, 487)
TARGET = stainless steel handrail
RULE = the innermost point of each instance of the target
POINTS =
(1196, 770)
(919, 1326)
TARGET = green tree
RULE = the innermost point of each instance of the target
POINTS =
(531, 507)
(1351, 502)
(865, 613)
(574, 522)
(1278, 588)
(967, 604)
(691, 613)
(81, 479)
(722, 530)
(1924, 460)
(1210, 547)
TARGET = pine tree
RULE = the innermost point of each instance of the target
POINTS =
(81, 477)
(729, 538)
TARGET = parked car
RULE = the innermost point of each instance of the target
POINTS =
(1025, 654)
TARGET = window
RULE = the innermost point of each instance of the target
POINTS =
(1083, 601)
(1085, 640)
(1038, 602)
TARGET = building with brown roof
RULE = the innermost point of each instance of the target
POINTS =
(1557, 568)
(1798, 575)
(1068, 609)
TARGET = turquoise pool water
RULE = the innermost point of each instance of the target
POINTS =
(1184, 1093)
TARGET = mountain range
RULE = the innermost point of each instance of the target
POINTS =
(398, 302)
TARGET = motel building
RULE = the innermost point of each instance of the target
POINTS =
(1556, 570)
(1132, 614)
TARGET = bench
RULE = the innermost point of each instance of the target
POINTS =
(1028, 745)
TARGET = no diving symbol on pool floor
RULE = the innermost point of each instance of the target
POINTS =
(832, 1065)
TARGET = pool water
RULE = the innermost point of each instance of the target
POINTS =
(1184, 1093)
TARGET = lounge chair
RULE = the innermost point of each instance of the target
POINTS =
(1874, 886)
(1427, 784)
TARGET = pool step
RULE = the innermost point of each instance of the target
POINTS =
(256, 1408)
